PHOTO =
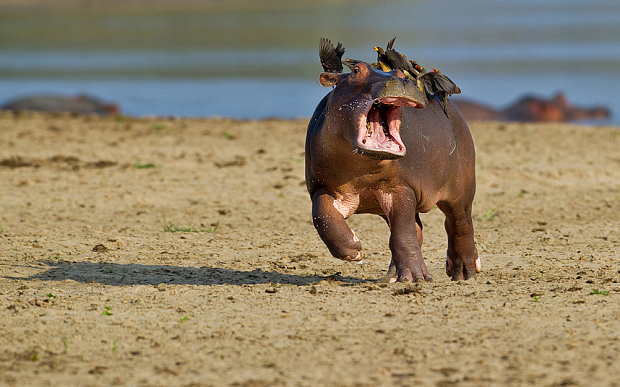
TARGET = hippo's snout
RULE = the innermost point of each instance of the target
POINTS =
(398, 88)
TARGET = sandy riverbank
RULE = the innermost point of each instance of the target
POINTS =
(95, 292)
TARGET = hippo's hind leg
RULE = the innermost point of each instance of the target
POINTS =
(333, 229)
(462, 257)
(391, 274)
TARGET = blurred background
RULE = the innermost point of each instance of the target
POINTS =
(257, 59)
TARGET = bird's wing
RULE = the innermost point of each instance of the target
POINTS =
(330, 56)
(445, 84)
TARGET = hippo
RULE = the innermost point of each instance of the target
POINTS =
(81, 104)
(532, 109)
(372, 147)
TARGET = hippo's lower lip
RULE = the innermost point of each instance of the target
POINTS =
(379, 129)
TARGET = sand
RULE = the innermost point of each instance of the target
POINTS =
(169, 252)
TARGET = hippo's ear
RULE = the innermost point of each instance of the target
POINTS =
(329, 79)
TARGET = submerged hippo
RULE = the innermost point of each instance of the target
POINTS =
(372, 147)
(532, 109)
(81, 104)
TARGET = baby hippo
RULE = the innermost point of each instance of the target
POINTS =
(373, 148)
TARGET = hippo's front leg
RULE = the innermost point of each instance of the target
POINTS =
(391, 273)
(332, 228)
(405, 243)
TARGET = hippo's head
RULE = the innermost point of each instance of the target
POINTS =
(365, 109)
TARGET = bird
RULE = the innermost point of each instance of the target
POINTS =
(436, 83)
(382, 59)
(419, 70)
(350, 63)
(331, 58)
(390, 59)
(399, 61)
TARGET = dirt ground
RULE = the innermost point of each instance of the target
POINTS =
(167, 252)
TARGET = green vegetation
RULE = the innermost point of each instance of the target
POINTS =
(50, 295)
(600, 292)
(138, 165)
(183, 319)
(158, 126)
(107, 310)
(114, 346)
(171, 227)
(489, 215)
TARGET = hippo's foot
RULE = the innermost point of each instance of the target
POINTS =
(333, 230)
(354, 257)
(418, 274)
(462, 262)
(347, 249)
(463, 269)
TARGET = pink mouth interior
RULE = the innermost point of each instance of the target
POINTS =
(379, 131)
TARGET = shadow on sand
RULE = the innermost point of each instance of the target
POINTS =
(115, 274)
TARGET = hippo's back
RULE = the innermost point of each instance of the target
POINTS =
(53, 103)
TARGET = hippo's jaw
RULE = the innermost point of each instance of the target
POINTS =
(378, 134)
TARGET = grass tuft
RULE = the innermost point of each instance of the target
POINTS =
(171, 227)
(139, 165)
(489, 215)
(600, 292)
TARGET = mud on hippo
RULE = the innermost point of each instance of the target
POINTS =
(373, 147)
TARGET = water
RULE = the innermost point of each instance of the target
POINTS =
(256, 63)
(240, 98)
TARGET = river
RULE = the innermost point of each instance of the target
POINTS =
(263, 62)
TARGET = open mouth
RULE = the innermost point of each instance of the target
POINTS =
(379, 129)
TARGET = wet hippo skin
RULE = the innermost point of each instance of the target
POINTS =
(373, 147)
